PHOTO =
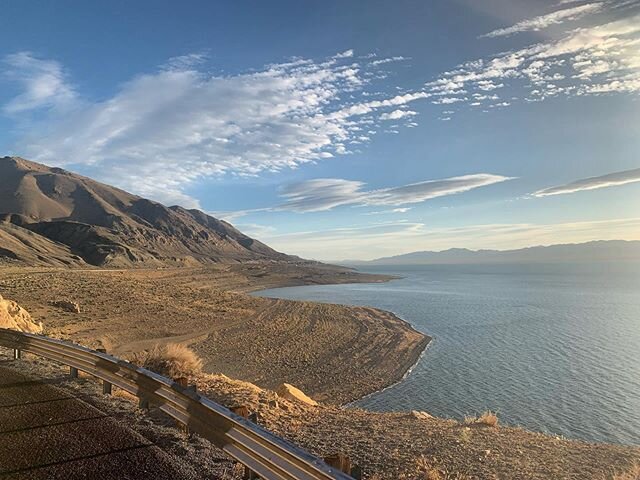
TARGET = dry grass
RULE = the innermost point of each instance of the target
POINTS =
(119, 393)
(632, 474)
(172, 360)
(488, 419)
(425, 470)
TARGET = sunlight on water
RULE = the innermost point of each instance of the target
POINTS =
(554, 348)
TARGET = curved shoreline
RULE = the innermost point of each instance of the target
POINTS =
(352, 404)
(415, 358)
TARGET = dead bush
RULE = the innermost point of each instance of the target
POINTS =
(488, 418)
(171, 360)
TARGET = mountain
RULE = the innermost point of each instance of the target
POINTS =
(598, 251)
(55, 217)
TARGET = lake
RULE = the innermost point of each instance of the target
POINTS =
(552, 348)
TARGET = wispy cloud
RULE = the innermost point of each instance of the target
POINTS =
(544, 21)
(164, 130)
(592, 183)
(43, 83)
(382, 61)
(327, 193)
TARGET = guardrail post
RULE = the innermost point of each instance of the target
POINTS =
(17, 353)
(73, 372)
(184, 382)
(339, 461)
(143, 403)
(106, 388)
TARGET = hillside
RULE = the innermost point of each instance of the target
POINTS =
(599, 251)
(49, 216)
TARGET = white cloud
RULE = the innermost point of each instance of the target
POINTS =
(596, 60)
(544, 21)
(345, 54)
(382, 61)
(327, 193)
(43, 83)
(162, 131)
(389, 211)
(397, 114)
(592, 183)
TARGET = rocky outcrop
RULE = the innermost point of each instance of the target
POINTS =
(68, 305)
(14, 317)
(294, 394)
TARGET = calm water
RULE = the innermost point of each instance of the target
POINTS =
(552, 348)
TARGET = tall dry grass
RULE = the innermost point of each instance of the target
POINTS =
(171, 360)
(488, 418)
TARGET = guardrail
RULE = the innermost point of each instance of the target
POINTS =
(270, 457)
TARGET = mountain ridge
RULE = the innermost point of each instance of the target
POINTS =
(593, 251)
(78, 220)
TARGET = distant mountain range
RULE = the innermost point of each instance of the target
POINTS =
(49, 216)
(598, 251)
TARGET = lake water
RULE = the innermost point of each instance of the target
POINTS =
(553, 348)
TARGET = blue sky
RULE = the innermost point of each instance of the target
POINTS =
(338, 129)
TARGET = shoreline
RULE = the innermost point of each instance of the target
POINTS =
(415, 360)
(429, 341)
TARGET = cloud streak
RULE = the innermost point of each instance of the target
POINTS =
(539, 23)
(604, 181)
(43, 83)
(327, 193)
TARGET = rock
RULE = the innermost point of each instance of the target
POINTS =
(292, 393)
(420, 415)
(69, 306)
(14, 317)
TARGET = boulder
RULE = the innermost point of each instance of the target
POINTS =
(420, 415)
(14, 317)
(69, 306)
(289, 392)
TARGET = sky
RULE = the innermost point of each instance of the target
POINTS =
(342, 129)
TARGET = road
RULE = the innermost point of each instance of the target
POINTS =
(46, 433)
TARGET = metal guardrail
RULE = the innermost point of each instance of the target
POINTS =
(270, 457)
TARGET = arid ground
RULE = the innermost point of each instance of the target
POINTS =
(334, 353)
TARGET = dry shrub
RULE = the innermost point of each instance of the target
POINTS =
(171, 360)
(426, 471)
(123, 394)
(488, 418)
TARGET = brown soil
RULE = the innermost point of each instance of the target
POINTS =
(334, 353)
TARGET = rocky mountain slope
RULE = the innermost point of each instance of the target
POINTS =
(49, 216)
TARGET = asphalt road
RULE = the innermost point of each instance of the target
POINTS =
(46, 433)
